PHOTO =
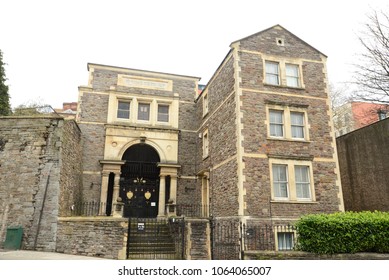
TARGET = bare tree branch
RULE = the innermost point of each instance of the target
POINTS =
(372, 74)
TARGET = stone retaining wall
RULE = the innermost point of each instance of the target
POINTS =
(92, 236)
(267, 255)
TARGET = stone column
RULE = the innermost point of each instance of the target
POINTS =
(173, 188)
(104, 192)
(116, 187)
(173, 195)
(162, 193)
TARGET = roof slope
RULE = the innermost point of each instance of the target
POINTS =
(274, 31)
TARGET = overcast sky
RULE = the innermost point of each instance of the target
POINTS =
(47, 44)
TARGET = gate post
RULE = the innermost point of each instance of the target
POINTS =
(212, 239)
(116, 187)
(162, 192)
(104, 192)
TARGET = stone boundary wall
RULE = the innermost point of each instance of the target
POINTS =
(198, 244)
(364, 167)
(295, 255)
(29, 183)
(71, 167)
(104, 237)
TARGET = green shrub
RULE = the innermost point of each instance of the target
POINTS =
(348, 232)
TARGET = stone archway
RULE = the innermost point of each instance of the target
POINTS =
(139, 181)
(140, 173)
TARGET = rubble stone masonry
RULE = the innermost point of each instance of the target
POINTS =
(40, 167)
(258, 147)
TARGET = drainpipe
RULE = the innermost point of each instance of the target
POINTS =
(42, 207)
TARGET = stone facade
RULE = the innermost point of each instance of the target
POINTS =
(363, 163)
(242, 152)
(108, 135)
(40, 166)
(256, 145)
(217, 148)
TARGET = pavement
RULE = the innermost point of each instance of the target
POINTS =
(38, 255)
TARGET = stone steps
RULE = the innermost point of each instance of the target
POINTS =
(152, 242)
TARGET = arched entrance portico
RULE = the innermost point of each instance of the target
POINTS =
(139, 181)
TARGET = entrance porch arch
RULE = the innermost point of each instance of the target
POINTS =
(139, 181)
(139, 176)
(155, 146)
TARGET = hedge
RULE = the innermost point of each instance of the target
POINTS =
(348, 232)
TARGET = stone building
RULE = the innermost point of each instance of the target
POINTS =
(68, 110)
(254, 146)
(268, 149)
(356, 114)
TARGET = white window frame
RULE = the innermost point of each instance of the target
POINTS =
(129, 102)
(281, 229)
(282, 72)
(205, 144)
(286, 182)
(305, 182)
(205, 103)
(135, 102)
(287, 126)
(141, 102)
(168, 113)
(282, 124)
(295, 78)
(271, 74)
(297, 125)
(291, 180)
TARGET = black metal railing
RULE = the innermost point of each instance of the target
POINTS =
(230, 239)
(268, 237)
(193, 210)
(88, 209)
(152, 238)
(225, 240)
(93, 208)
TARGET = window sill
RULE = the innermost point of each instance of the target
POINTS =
(294, 201)
(163, 123)
(288, 139)
(284, 86)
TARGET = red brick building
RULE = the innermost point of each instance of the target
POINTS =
(356, 114)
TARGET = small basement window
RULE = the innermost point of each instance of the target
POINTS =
(285, 241)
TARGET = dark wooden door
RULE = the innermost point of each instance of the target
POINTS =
(139, 189)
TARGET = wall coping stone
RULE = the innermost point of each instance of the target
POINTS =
(94, 218)
(299, 255)
(33, 117)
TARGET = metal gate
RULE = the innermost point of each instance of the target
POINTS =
(151, 238)
(139, 189)
(225, 239)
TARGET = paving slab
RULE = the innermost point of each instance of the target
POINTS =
(38, 255)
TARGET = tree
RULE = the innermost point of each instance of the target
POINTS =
(33, 108)
(340, 101)
(5, 108)
(372, 74)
